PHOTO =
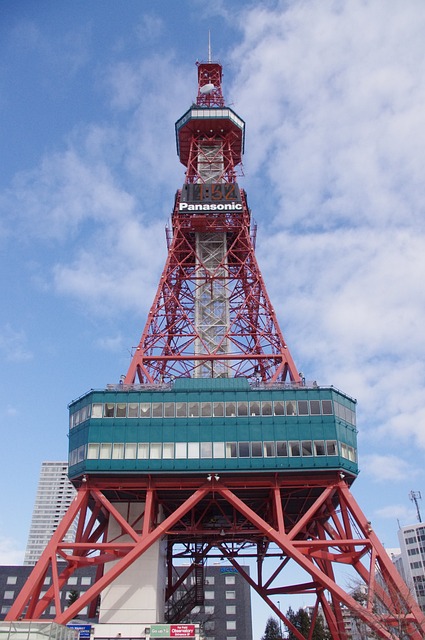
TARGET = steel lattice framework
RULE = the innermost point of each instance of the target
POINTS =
(212, 317)
(250, 341)
(258, 517)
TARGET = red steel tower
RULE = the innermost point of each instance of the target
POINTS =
(213, 446)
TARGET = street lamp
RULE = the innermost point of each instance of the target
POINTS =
(280, 620)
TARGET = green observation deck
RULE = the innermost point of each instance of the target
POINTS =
(211, 425)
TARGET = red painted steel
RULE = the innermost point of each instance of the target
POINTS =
(224, 514)
(166, 349)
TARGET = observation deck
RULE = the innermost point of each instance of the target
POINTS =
(212, 425)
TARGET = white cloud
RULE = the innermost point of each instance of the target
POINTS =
(10, 554)
(396, 512)
(100, 200)
(13, 344)
(332, 98)
(387, 468)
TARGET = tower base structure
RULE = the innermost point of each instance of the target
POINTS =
(311, 521)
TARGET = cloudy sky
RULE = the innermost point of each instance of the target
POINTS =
(333, 96)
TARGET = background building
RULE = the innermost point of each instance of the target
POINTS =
(412, 567)
(226, 612)
(13, 578)
(54, 495)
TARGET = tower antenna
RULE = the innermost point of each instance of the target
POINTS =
(415, 496)
(209, 45)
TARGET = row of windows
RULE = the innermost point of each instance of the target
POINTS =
(196, 450)
(210, 410)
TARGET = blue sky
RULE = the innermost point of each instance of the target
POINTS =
(333, 97)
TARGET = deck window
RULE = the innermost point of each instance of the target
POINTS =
(118, 451)
(130, 450)
(97, 410)
(168, 450)
(307, 449)
(105, 450)
(257, 449)
(206, 449)
(315, 407)
(254, 408)
(143, 451)
(327, 407)
(181, 409)
(294, 449)
(218, 450)
(121, 410)
(244, 449)
(193, 410)
(266, 408)
(230, 409)
(145, 410)
(279, 408)
(193, 450)
(155, 450)
(319, 448)
(93, 451)
(291, 408)
(331, 448)
(157, 409)
(133, 410)
(218, 409)
(108, 410)
(181, 450)
(242, 408)
(231, 450)
(302, 407)
(281, 449)
(206, 409)
(269, 449)
(168, 409)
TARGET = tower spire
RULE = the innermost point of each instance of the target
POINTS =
(212, 316)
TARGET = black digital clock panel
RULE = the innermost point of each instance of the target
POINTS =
(210, 193)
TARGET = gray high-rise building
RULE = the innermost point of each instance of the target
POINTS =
(54, 495)
(412, 566)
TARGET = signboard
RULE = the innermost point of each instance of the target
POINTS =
(83, 629)
(172, 631)
(228, 570)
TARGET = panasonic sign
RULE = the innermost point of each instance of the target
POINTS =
(211, 206)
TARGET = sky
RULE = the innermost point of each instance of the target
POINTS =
(333, 97)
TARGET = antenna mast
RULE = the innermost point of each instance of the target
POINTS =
(415, 496)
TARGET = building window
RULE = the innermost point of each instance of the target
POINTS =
(209, 580)
(230, 625)
(9, 595)
(209, 609)
(209, 595)
(230, 610)
(230, 595)
(5, 609)
(11, 579)
(73, 580)
(85, 580)
(230, 580)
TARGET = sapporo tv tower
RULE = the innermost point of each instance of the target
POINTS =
(213, 446)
